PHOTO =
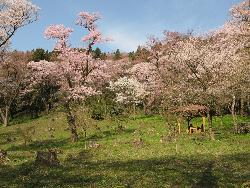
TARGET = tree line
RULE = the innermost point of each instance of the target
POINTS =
(211, 69)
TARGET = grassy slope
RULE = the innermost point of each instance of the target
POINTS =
(198, 162)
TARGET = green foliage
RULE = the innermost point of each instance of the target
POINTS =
(104, 56)
(26, 134)
(131, 56)
(142, 54)
(97, 53)
(117, 55)
(40, 54)
(98, 112)
(116, 110)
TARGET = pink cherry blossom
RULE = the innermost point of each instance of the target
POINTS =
(15, 14)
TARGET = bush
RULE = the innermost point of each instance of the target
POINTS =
(116, 111)
(243, 128)
(97, 113)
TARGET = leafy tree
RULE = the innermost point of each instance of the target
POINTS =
(117, 55)
(40, 54)
(142, 54)
(14, 14)
(97, 53)
(103, 56)
(131, 56)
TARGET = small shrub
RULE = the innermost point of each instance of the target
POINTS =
(26, 134)
(97, 114)
(243, 128)
(138, 142)
(3, 154)
(93, 144)
(116, 111)
(47, 158)
(120, 128)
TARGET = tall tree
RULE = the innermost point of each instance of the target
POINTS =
(97, 53)
(40, 54)
(11, 82)
(117, 55)
(76, 67)
(14, 14)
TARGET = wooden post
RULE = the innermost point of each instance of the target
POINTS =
(179, 126)
(204, 122)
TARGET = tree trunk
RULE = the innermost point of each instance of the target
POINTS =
(71, 118)
(85, 136)
(144, 108)
(134, 110)
(188, 120)
(72, 125)
(248, 105)
(105, 109)
(233, 113)
(5, 116)
(241, 106)
(209, 117)
(48, 108)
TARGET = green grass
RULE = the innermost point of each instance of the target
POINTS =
(197, 161)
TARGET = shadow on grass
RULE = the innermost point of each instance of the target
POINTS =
(8, 137)
(22, 120)
(64, 143)
(208, 179)
(110, 133)
(171, 171)
(41, 145)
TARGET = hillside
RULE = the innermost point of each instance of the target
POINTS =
(124, 153)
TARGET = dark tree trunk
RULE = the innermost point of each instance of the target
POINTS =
(71, 118)
(48, 108)
(189, 120)
(72, 125)
(85, 133)
(241, 106)
(248, 105)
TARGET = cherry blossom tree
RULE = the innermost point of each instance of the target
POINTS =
(241, 11)
(129, 91)
(203, 69)
(76, 67)
(11, 83)
(205, 66)
(42, 84)
(15, 14)
(149, 75)
(237, 29)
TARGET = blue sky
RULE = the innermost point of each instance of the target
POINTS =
(128, 22)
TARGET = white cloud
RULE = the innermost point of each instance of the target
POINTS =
(125, 39)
